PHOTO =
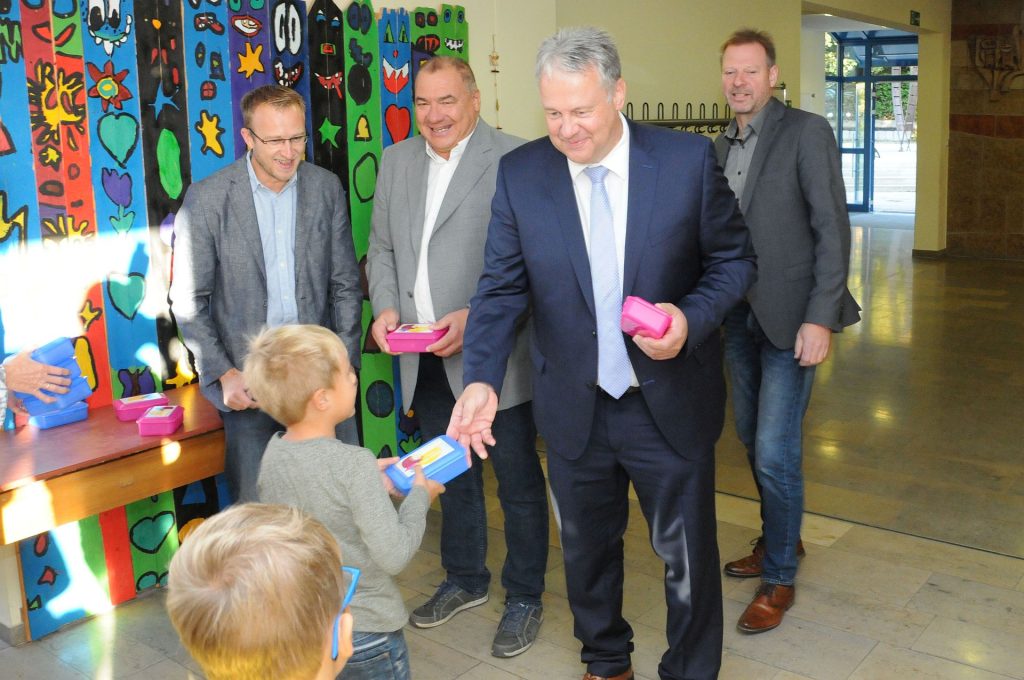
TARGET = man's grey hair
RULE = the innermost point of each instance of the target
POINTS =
(577, 49)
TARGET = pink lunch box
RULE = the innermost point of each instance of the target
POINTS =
(130, 408)
(414, 337)
(641, 317)
(160, 420)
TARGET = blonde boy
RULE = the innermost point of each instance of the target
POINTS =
(300, 376)
(254, 594)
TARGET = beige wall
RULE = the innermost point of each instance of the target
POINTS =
(812, 72)
(670, 48)
(932, 103)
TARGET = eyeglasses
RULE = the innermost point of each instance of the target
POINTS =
(298, 140)
(354, 575)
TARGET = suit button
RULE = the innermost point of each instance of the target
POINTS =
(593, 333)
(409, 293)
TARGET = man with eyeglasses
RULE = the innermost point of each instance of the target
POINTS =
(264, 242)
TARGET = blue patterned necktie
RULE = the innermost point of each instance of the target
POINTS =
(613, 367)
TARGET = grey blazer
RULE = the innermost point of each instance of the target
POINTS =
(456, 255)
(218, 285)
(794, 203)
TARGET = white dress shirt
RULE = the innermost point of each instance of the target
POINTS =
(616, 184)
(440, 176)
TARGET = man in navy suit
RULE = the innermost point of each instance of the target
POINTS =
(600, 209)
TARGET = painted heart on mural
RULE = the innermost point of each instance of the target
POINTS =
(398, 122)
(149, 533)
(126, 292)
(119, 133)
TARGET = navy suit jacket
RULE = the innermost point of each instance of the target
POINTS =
(686, 243)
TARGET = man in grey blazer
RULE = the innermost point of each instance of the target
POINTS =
(783, 164)
(264, 242)
(430, 215)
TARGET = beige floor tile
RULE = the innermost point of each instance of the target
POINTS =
(96, 649)
(956, 598)
(886, 582)
(34, 661)
(798, 646)
(976, 565)
(986, 648)
(165, 670)
(742, 512)
(855, 613)
(886, 662)
(736, 667)
(431, 658)
(483, 671)
(786, 675)
(821, 530)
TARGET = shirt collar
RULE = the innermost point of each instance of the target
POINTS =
(617, 160)
(755, 124)
(456, 152)
(255, 183)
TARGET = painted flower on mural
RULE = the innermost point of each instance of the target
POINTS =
(109, 86)
(117, 187)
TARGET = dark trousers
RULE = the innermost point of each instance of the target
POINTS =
(521, 491)
(246, 434)
(677, 499)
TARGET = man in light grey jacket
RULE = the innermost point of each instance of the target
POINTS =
(430, 216)
(264, 242)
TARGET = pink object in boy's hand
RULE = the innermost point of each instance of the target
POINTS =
(640, 317)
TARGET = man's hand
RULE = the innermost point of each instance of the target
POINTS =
(473, 416)
(25, 374)
(236, 394)
(670, 344)
(451, 343)
(812, 344)
(385, 322)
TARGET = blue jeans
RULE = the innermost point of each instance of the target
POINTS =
(522, 492)
(377, 656)
(770, 394)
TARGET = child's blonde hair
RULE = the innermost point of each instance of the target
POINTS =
(253, 591)
(287, 364)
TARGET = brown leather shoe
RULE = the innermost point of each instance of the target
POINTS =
(767, 608)
(750, 566)
(627, 675)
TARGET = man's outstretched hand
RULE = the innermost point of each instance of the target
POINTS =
(473, 417)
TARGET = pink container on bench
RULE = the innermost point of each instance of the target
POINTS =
(414, 337)
(130, 408)
(641, 317)
(161, 420)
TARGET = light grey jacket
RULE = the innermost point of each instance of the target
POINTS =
(219, 284)
(794, 203)
(456, 255)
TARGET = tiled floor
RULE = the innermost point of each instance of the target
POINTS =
(915, 426)
(871, 605)
(914, 423)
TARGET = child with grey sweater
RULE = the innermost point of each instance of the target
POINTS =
(300, 376)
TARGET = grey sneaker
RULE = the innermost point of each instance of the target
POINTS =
(448, 601)
(518, 628)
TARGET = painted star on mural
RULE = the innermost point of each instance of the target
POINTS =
(249, 61)
(209, 127)
(329, 132)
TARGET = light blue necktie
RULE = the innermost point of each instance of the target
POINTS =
(613, 367)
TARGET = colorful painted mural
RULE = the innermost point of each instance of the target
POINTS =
(110, 110)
